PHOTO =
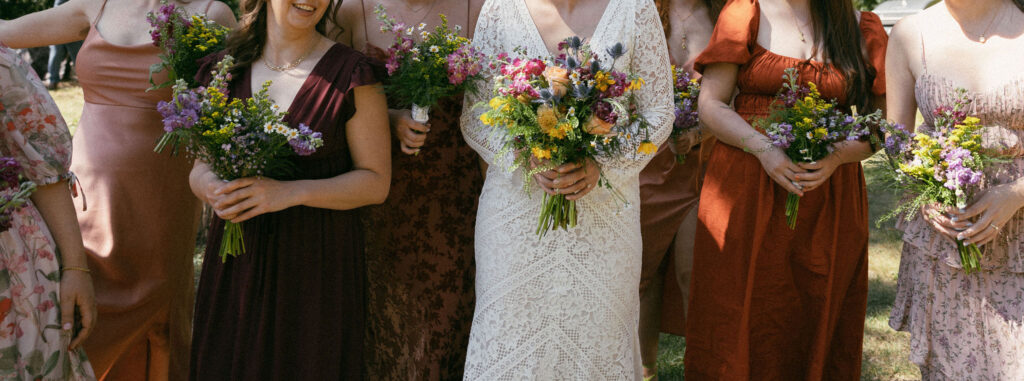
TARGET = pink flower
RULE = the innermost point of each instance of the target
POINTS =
(46, 305)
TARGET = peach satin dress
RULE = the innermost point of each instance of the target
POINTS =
(141, 217)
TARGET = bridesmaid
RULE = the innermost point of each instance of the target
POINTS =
(292, 306)
(768, 302)
(420, 241)
(42, 261)
(140, 222)
(965, 327)
(669, 192)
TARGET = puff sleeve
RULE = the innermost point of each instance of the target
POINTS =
(734, 37)
(33, 130)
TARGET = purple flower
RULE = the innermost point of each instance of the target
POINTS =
(959, 175)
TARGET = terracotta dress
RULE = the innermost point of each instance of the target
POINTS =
(767, 302)
(33, 133)
(292, 307)
(967, 327)
(419, 255)
(140, 224)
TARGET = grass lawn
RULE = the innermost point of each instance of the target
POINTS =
(885, 351)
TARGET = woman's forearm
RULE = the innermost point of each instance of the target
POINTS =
(54, 204)
(354, 189)
(722, 121)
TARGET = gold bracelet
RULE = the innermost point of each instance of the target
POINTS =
(82, 269)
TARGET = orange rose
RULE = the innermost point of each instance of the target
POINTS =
(596, 126)
(558, 79)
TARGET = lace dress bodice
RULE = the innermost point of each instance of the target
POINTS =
(564, 306)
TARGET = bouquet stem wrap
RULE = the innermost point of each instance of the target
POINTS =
(421, 114)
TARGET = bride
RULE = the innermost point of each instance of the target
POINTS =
(564, 306)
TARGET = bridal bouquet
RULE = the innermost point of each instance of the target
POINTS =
(686, 91)
(437, 65)
(805, 126)
(183, 39)
(236, 138)
(943, 166)
(14, 191)
(562, 110)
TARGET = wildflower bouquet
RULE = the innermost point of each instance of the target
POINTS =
(14, 191)
(943, 166)
(440, 65)
(805, 126)
(236, 138)
(686, 91)
(183, 39)
(561, 110)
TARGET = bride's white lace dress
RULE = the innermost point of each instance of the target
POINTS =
(563, 307)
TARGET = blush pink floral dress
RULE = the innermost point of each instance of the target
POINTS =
(968, 327)
(32, 346)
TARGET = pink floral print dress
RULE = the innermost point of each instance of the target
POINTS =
(32, 343)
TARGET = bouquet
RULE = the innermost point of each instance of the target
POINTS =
(183, 39)
(236, 138)
(563, 110)
(805, 126)
(14, 191)
(440, 65)
(686, 91)
(943, 166)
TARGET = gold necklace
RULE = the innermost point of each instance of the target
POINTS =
(982, 39)
(293, 64)
(683, 41)
(796, 22)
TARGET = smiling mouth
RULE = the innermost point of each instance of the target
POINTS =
(304, 7)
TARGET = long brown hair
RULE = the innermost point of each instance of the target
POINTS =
(1019, 4)
(246, 43)
(837, 31)
(665, 7)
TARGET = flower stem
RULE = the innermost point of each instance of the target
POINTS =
(231, 244)
(792, 207)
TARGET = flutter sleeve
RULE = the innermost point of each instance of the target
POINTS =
(34, 133)
(734, 37)
(876, 41)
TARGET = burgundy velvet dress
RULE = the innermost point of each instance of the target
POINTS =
(293, 305)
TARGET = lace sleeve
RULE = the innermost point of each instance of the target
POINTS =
(487, 38)
(648, 59)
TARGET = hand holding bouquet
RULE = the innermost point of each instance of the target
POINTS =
(14, 191)
(562, 110)
(183, 39)
(943, 166)
(686, 91)
(441, 64)
(805, 127)
(236, 138)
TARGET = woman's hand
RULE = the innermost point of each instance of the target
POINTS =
(817, 172)
(939, 217)
(781, 169)
(993, 207)
(242, 199)
(685, 142)
(411, 134)
(572, 180)
(76, 291)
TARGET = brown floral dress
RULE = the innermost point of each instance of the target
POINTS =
(419, 256)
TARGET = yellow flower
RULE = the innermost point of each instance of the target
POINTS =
(496, 102)
(486, 119)
(546, 118)
(602, 80)
(541, 153)
(637, 84)
(647, 148)
(820, 132)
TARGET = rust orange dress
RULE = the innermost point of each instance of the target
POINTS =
(767, 302)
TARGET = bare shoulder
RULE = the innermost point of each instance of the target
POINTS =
(222, 14)
(906, 32)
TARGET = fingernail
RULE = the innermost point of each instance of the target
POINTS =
(67, 326)
(954, 219)
(960, 236)
(968, 224)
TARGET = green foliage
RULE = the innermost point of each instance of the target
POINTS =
(866, 5)
(12, 9)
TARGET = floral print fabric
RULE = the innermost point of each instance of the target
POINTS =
(32, 343)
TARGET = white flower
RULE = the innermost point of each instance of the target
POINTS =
(421, 26)
(292, 133)
(415, 50)
(424, 35)
(575, 76)
(409, 31)
(416, 59)
(268, 128)
(434, 49)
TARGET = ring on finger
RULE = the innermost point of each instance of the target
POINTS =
(796, 184)
(993, 225)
